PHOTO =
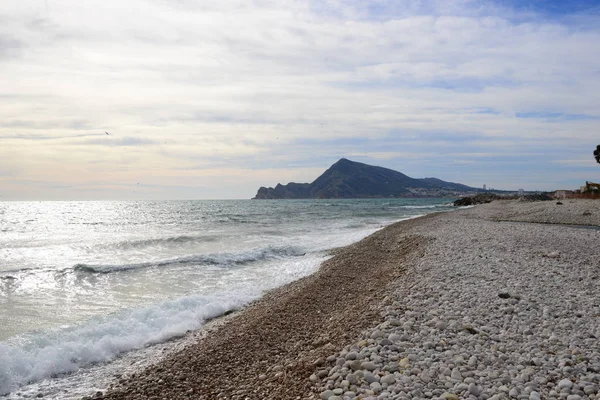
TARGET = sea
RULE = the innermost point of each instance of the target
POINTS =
(91, 290)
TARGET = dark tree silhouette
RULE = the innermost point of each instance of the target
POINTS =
(597, 154)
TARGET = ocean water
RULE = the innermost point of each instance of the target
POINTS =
(90, 288)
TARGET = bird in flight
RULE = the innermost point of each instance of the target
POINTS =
(107, 133)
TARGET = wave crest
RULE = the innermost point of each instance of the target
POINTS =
(217, 259)
(163, 241)
(103, 339)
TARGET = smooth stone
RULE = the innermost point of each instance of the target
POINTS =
(590, 389)
(425, 377)
(376, 387)
(368, 365)
(351, 355)
(326, 394)
(449, 396)
(355, 365)
(388, 379)
(565, 384)
(370, 378)
(456, 375)
(392, 367)
(474, 389)
(377, 334)
(461, 387)
(534, 396)
(338, 391)
(322, 374)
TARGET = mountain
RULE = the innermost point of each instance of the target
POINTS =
(350, 179)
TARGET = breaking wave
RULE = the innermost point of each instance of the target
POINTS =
(163, 241)
(224, 259)
(101, 340)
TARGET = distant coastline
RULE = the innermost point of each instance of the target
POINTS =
(348, 179)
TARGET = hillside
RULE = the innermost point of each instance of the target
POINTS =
(350, 179)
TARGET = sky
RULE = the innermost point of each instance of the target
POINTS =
(212, 99)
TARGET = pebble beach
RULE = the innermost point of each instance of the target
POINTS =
(498, 301)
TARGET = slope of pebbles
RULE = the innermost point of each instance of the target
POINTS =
(568, 211)
(494, 310)
(270, 349)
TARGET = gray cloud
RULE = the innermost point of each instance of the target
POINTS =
(71, 124)
(31, 137)
(259, 85)
(112, 141)
(9, 47)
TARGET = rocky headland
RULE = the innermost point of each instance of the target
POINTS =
(349, 179)
(498, 301)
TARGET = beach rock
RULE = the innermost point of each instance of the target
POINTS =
(565, 384)
(449, 396)
(388, 379)
(355, 365)
(370, 378)
(474, 389)
(534, 395)
(352, 379)
(377, 334)
(369, 366)
(456, 375)
(376, 387)
(590, 389)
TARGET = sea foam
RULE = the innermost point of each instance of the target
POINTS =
(39, 356)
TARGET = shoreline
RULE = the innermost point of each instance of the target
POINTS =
(306, 310)
(300, 340)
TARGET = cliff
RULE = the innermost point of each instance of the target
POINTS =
(349, 179)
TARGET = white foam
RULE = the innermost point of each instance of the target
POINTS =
(42, 356)
(46, 355)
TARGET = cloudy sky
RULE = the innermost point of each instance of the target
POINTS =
(212, 99)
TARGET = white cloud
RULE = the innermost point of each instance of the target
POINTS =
(205, 84)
